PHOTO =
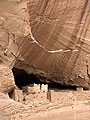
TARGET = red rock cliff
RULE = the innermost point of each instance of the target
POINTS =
(49, 38)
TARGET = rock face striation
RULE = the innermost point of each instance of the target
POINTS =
(49, 38)
(60, 34)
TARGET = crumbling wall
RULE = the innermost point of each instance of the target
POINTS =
(36, 98)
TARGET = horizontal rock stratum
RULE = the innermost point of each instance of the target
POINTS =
(49, 38)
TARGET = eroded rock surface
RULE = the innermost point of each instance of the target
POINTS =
(60, 35)
(6, 79)
(11, 110)
(49, 38)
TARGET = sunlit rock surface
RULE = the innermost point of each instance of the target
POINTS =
(6, 79)
(60, 35)
(49, 38)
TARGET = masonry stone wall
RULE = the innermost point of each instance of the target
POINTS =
(35, 93)
(37, 97)
(35, 88)
(67, 96)
(55, 96)
(42, 94)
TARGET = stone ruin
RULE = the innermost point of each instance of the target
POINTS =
(30, 93)
(38, 93)
(35, 88)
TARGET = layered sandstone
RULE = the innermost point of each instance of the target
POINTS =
(60, 34)
(49, 38)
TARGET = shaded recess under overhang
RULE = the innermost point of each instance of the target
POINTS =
(22, 78)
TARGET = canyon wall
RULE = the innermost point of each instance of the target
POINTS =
(49, 38)
(61, 39)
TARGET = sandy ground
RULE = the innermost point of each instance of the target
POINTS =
(79, 110)
(75, 112)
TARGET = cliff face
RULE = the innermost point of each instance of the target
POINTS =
(61, 36)
(12, 28)
(49, 38)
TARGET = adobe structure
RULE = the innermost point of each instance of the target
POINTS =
(36, 93)
(30, 93)
(40, 93)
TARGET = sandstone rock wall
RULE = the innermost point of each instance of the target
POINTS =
(6, 79)
(47, 37)
(61, 36)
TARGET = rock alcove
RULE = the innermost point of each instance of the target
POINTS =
(22, 78)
